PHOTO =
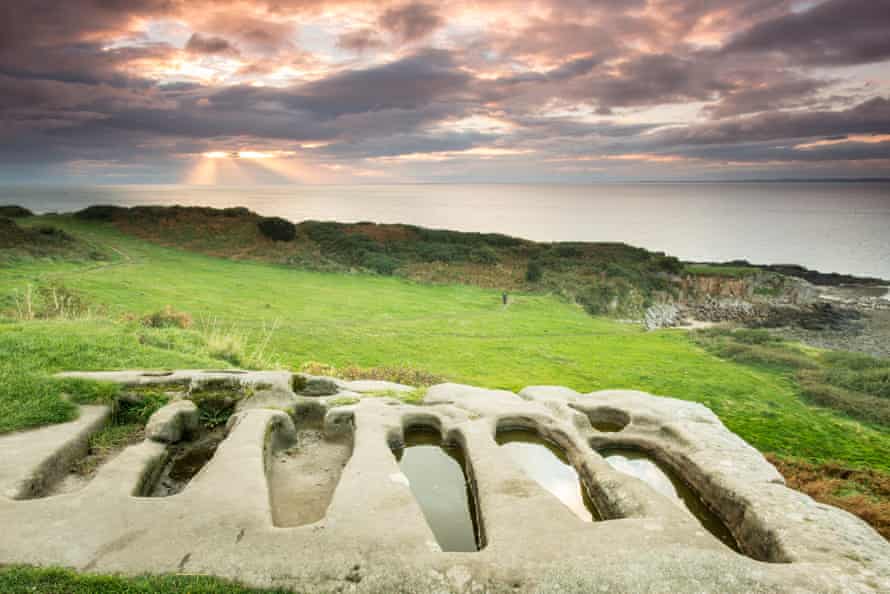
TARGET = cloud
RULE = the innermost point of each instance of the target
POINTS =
(558, 83)
(360, 41)
(201, 44)
(833, 33)
(411, 22)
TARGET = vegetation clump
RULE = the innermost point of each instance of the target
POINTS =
(863, 492)
(216, 399)
(277, 229)
(400, 374)
(167, 318)
(100, 212)
(754, 347)
(12, 235)
(14, 211)
(854, 384)
(51, 302)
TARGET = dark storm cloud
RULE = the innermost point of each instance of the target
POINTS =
(870, 117)
(410, 83)
(835, 32)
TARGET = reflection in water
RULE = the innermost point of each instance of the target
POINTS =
(642, 466)
(548, 465)
(439, 484)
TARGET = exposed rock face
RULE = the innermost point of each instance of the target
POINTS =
(662, 315)
(373, 536)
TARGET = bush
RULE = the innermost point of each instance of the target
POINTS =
(167, 318)
(483, 254)
(534, 272)
(765, 355)
(15, 212)
(277, 229)
(749, 336)
(861, 406)
(236, 212)
(102, 212)
(567, 250)
(595, 300)
(875, 381)
(380, 263)
(668, 264)
(855, 361)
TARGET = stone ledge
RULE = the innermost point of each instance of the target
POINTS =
(373, 536)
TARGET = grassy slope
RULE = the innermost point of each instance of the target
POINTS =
(15, 580)
(459, 332)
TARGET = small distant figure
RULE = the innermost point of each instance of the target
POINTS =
(504, 297)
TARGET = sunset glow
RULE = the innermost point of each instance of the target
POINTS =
(410, 90)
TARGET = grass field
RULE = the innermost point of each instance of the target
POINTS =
(285, 316)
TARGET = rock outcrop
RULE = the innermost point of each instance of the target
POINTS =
(370, 535)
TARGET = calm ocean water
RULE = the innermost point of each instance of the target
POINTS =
(832, 227)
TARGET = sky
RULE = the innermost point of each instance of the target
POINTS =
(210, 92)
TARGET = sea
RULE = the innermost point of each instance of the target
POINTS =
(827, 226)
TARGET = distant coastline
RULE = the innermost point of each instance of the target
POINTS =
(837, 227)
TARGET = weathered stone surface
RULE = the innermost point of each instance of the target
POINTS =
(320, 386)
(378, 386)
(31, 461)
(172, 422)
(373, 536)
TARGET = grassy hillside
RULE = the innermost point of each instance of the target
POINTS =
(283, 316)
(603, 277)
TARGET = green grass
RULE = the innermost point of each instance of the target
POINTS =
(461, 333)
(715, 270)
(21, 580)
(33, 350)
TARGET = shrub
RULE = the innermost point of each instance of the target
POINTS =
(597, 299)
(483, 254)
(856, 404)
(749, 336)
(765, 355)
(668, 264)
(15, 212)
(277, 229)
(167, 318)
(567, 250)
(875, 381)
(856, 361)
(102, 212)
(534, 272)
(235, 212)
(380, 263)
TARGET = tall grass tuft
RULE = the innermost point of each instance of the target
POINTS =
(50, 302)
(235, 347)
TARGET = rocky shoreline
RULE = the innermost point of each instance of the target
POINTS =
(843, 317)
